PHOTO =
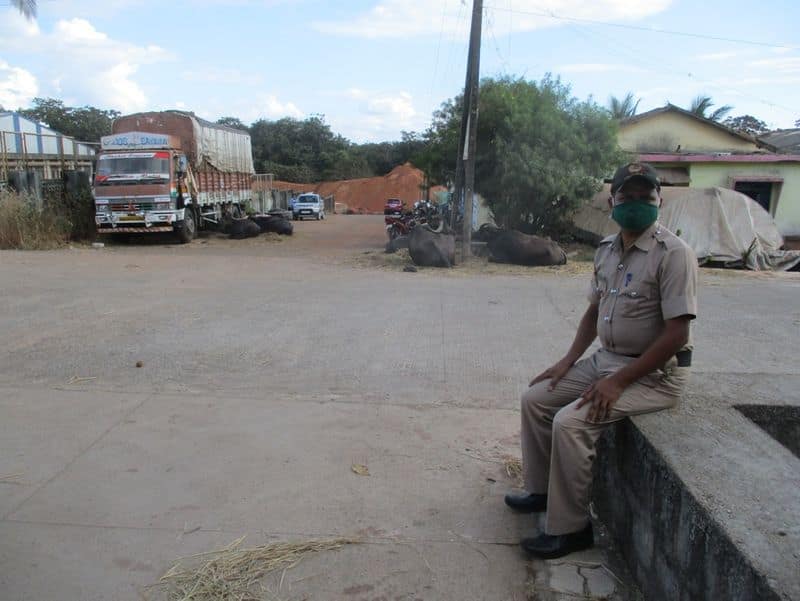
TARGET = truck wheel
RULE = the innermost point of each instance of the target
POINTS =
(188, 228)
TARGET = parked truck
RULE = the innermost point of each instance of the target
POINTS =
(171, 171)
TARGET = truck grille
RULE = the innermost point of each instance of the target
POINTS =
(133, 207)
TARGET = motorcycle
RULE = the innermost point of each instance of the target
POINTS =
(400, 223)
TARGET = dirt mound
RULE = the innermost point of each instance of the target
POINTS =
(369, 194)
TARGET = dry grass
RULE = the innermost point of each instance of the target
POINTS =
(234, 573)
(472, 266)
(24, 227)
(513, 468)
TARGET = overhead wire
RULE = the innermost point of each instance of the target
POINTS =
(552, 15)
(636, 55)
(438, 49)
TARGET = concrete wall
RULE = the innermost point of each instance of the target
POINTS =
(674, 550)
(785, 204)
(664, 132)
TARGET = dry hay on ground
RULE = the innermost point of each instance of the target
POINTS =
(513, 468)
(234, 573)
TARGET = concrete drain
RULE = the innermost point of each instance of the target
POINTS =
(782, 422)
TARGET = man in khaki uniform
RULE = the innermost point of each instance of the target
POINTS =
(641, 300)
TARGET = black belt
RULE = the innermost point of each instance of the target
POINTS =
(684, 358)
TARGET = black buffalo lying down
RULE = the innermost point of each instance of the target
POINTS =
(511, 246)
(274, 223)
(431, 249)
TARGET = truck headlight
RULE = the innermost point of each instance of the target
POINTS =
(162, 206)
(101, 208)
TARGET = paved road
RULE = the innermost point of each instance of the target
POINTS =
(269, 368)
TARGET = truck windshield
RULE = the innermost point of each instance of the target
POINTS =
(142, 167)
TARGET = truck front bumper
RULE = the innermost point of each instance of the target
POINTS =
(150, 221)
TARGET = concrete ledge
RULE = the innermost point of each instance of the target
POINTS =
(677, 493)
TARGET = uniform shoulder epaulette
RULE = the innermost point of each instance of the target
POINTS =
(608, 239)
(668, 239)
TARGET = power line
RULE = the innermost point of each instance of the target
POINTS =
(636, 56)
(689, 34)
(438, 48)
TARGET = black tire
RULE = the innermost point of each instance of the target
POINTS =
(187, 229)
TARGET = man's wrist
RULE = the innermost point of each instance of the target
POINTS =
(622, 378)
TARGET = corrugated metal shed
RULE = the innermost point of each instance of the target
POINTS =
(20, 135)
(785, 140)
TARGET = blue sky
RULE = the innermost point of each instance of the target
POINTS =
(377, 67)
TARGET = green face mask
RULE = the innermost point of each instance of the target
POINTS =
(635, 216)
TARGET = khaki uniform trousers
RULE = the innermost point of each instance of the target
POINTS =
(558, 441)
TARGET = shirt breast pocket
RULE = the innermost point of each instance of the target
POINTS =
(638, 300)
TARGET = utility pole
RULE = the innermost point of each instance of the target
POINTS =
(465, 165)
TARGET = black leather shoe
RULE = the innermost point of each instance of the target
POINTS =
(527, 503)
(549, 546)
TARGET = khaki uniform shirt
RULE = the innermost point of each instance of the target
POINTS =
(637, 290)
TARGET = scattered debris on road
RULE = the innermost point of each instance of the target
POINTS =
(361, 470)
(233, 572)
(80, 379)
(513, 467)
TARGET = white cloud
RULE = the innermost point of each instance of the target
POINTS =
(402, 18)
(269, 106)
(17, 86)
(787, 64)
(380, 115)
(101, 70)
(259, 105)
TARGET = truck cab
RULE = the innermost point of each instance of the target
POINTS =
(143, 187)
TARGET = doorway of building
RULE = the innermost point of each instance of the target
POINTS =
(761, 192)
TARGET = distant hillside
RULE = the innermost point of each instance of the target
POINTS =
(370, 193)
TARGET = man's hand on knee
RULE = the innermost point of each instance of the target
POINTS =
(602, 395)
(554, 373)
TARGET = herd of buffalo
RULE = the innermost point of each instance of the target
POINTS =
(428, 248)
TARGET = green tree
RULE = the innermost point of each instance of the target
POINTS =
(701, 105)
(747, 124)
(305, 151)
(87, 123)
(233, 122)
(625, 108)
(26, 7)
(541, 152)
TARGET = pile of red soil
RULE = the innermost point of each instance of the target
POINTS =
(368, 194)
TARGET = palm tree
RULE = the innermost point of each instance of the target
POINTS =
(625, 108)
(26, 7)
(702, 104)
